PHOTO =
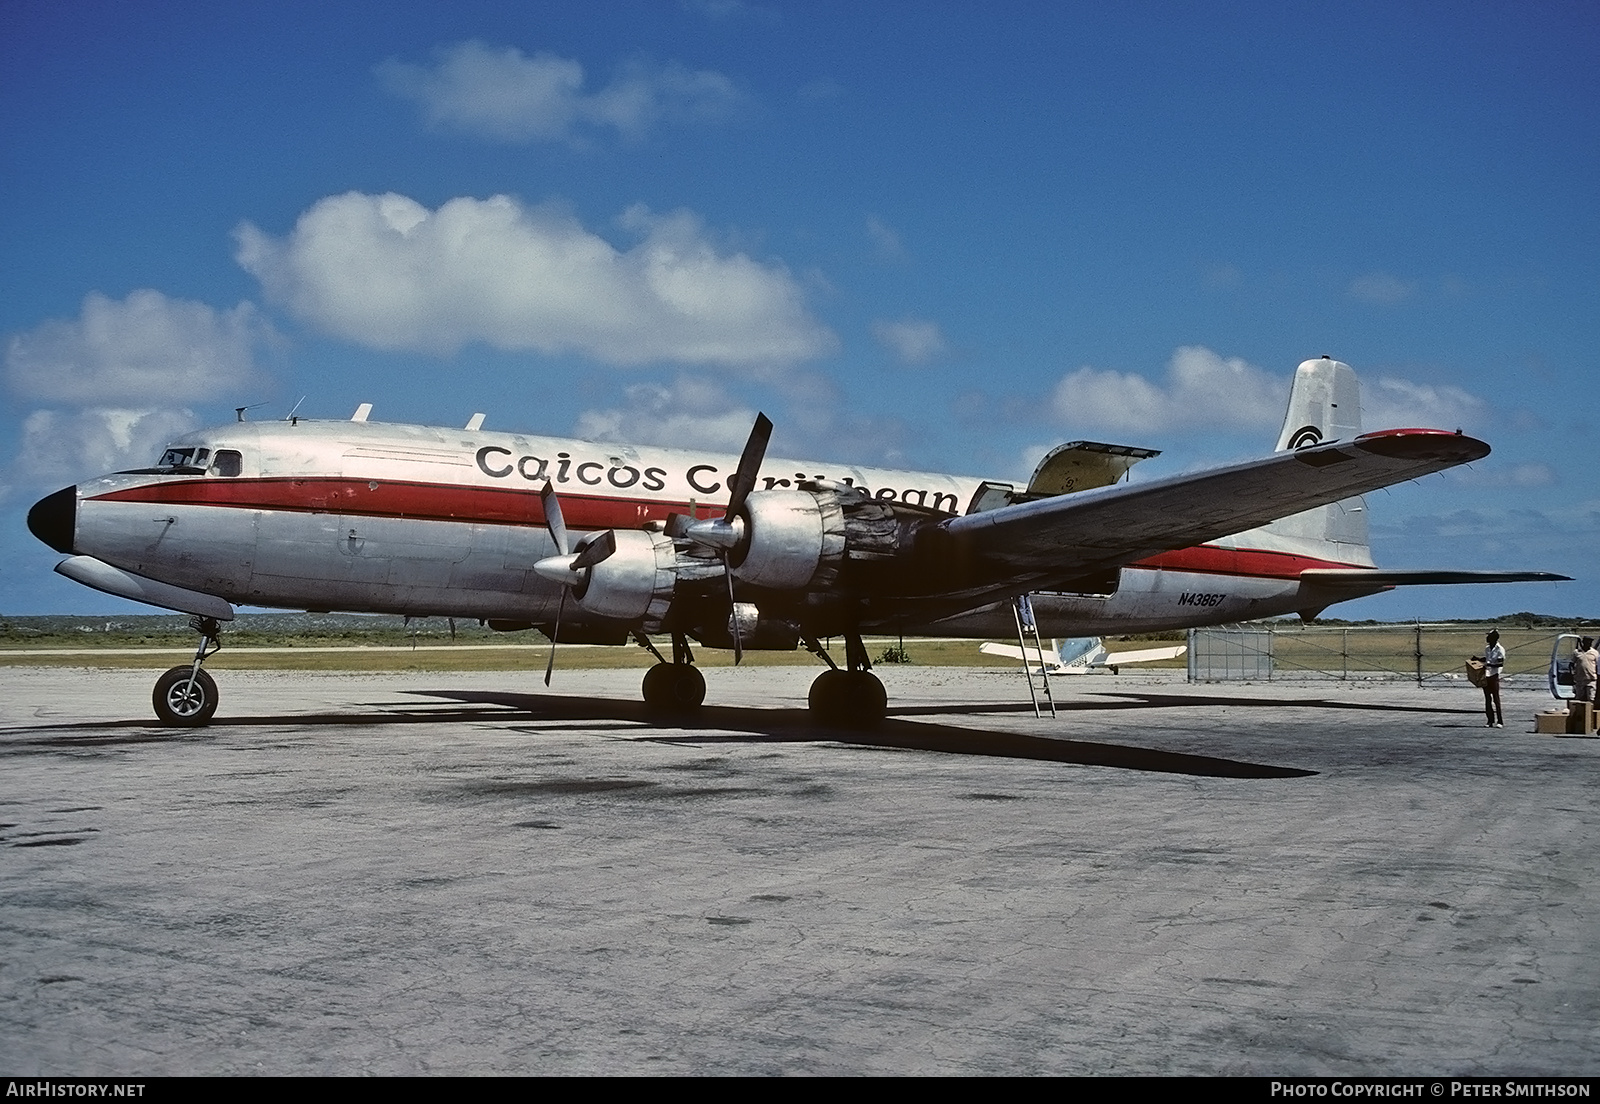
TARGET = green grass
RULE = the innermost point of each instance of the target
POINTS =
(383, 643)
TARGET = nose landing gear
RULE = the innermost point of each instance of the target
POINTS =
(186, 696)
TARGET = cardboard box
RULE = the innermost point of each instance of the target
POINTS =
(1550, 724)
(1580, 718)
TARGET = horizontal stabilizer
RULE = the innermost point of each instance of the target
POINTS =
(1365, 578)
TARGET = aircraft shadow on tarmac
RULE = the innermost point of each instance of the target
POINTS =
(710, 724)
(735, 724)
(1128, 699)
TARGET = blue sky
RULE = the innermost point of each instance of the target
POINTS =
(942, 236)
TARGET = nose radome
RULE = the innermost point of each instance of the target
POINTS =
(54, 519)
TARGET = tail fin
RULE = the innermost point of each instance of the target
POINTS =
(1325, 405)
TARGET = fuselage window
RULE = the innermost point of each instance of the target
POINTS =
(227, 462)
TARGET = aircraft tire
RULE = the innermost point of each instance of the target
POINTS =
(848, 699)
(674, 687)
(179, 706)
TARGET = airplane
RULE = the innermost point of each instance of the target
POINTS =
(599, 543)
(1080, 655)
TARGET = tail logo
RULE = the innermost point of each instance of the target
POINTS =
(1305, 436)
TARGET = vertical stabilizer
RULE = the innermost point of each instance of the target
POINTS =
(1324, 405)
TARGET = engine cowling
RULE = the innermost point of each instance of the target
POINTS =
(791, 539)
(633, 583)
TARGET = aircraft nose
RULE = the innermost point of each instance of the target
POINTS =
(54, 519)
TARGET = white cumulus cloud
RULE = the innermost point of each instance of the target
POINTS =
(1202, 390)
(913, 340)
(505, 95)
(691, 413)
(146, 349)
(60, 447)
(1389, 403)
(389, 273)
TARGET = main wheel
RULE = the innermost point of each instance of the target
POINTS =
(178, 703)
(849, 699)
(674, 687)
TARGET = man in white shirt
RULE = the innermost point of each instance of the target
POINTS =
(1494, 661)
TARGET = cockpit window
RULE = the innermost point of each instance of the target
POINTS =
(183, 458)
(227, 462)
(177, 461)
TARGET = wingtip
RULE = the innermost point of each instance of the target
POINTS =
(1424, 444)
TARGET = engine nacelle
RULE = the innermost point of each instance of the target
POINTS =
(635, 582)
(792, 539)
(758, 632)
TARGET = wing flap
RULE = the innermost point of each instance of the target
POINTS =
(1072, 535)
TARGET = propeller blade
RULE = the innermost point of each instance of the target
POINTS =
(743, 480)
(733, 616)
(553, 520)
(597, 551)
(550, 666)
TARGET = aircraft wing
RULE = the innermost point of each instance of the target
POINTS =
(1073, 535)
(1143, 655)
(1033, 656)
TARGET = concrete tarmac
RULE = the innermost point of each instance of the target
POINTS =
(455, 873)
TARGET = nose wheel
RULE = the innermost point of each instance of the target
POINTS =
(186, 697)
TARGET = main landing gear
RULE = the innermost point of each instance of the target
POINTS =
(851, 698)
(676, 687)
(187, 696)
(848, 698)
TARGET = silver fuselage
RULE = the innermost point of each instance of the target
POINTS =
(428, 521)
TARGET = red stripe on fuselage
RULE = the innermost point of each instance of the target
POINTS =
(394, 499)
(508, 506)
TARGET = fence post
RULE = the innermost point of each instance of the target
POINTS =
(1419, 653)
(1344, 651)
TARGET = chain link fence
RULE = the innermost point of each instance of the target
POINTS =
(1420, 653)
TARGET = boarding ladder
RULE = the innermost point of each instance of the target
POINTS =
(1028, 627)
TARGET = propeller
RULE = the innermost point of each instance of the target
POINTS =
(725, 533)
(567, 567)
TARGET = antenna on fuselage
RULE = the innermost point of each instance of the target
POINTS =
(238, 411)
(289, 417)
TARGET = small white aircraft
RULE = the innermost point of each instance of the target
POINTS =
(598, 543)
(1079, 655)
